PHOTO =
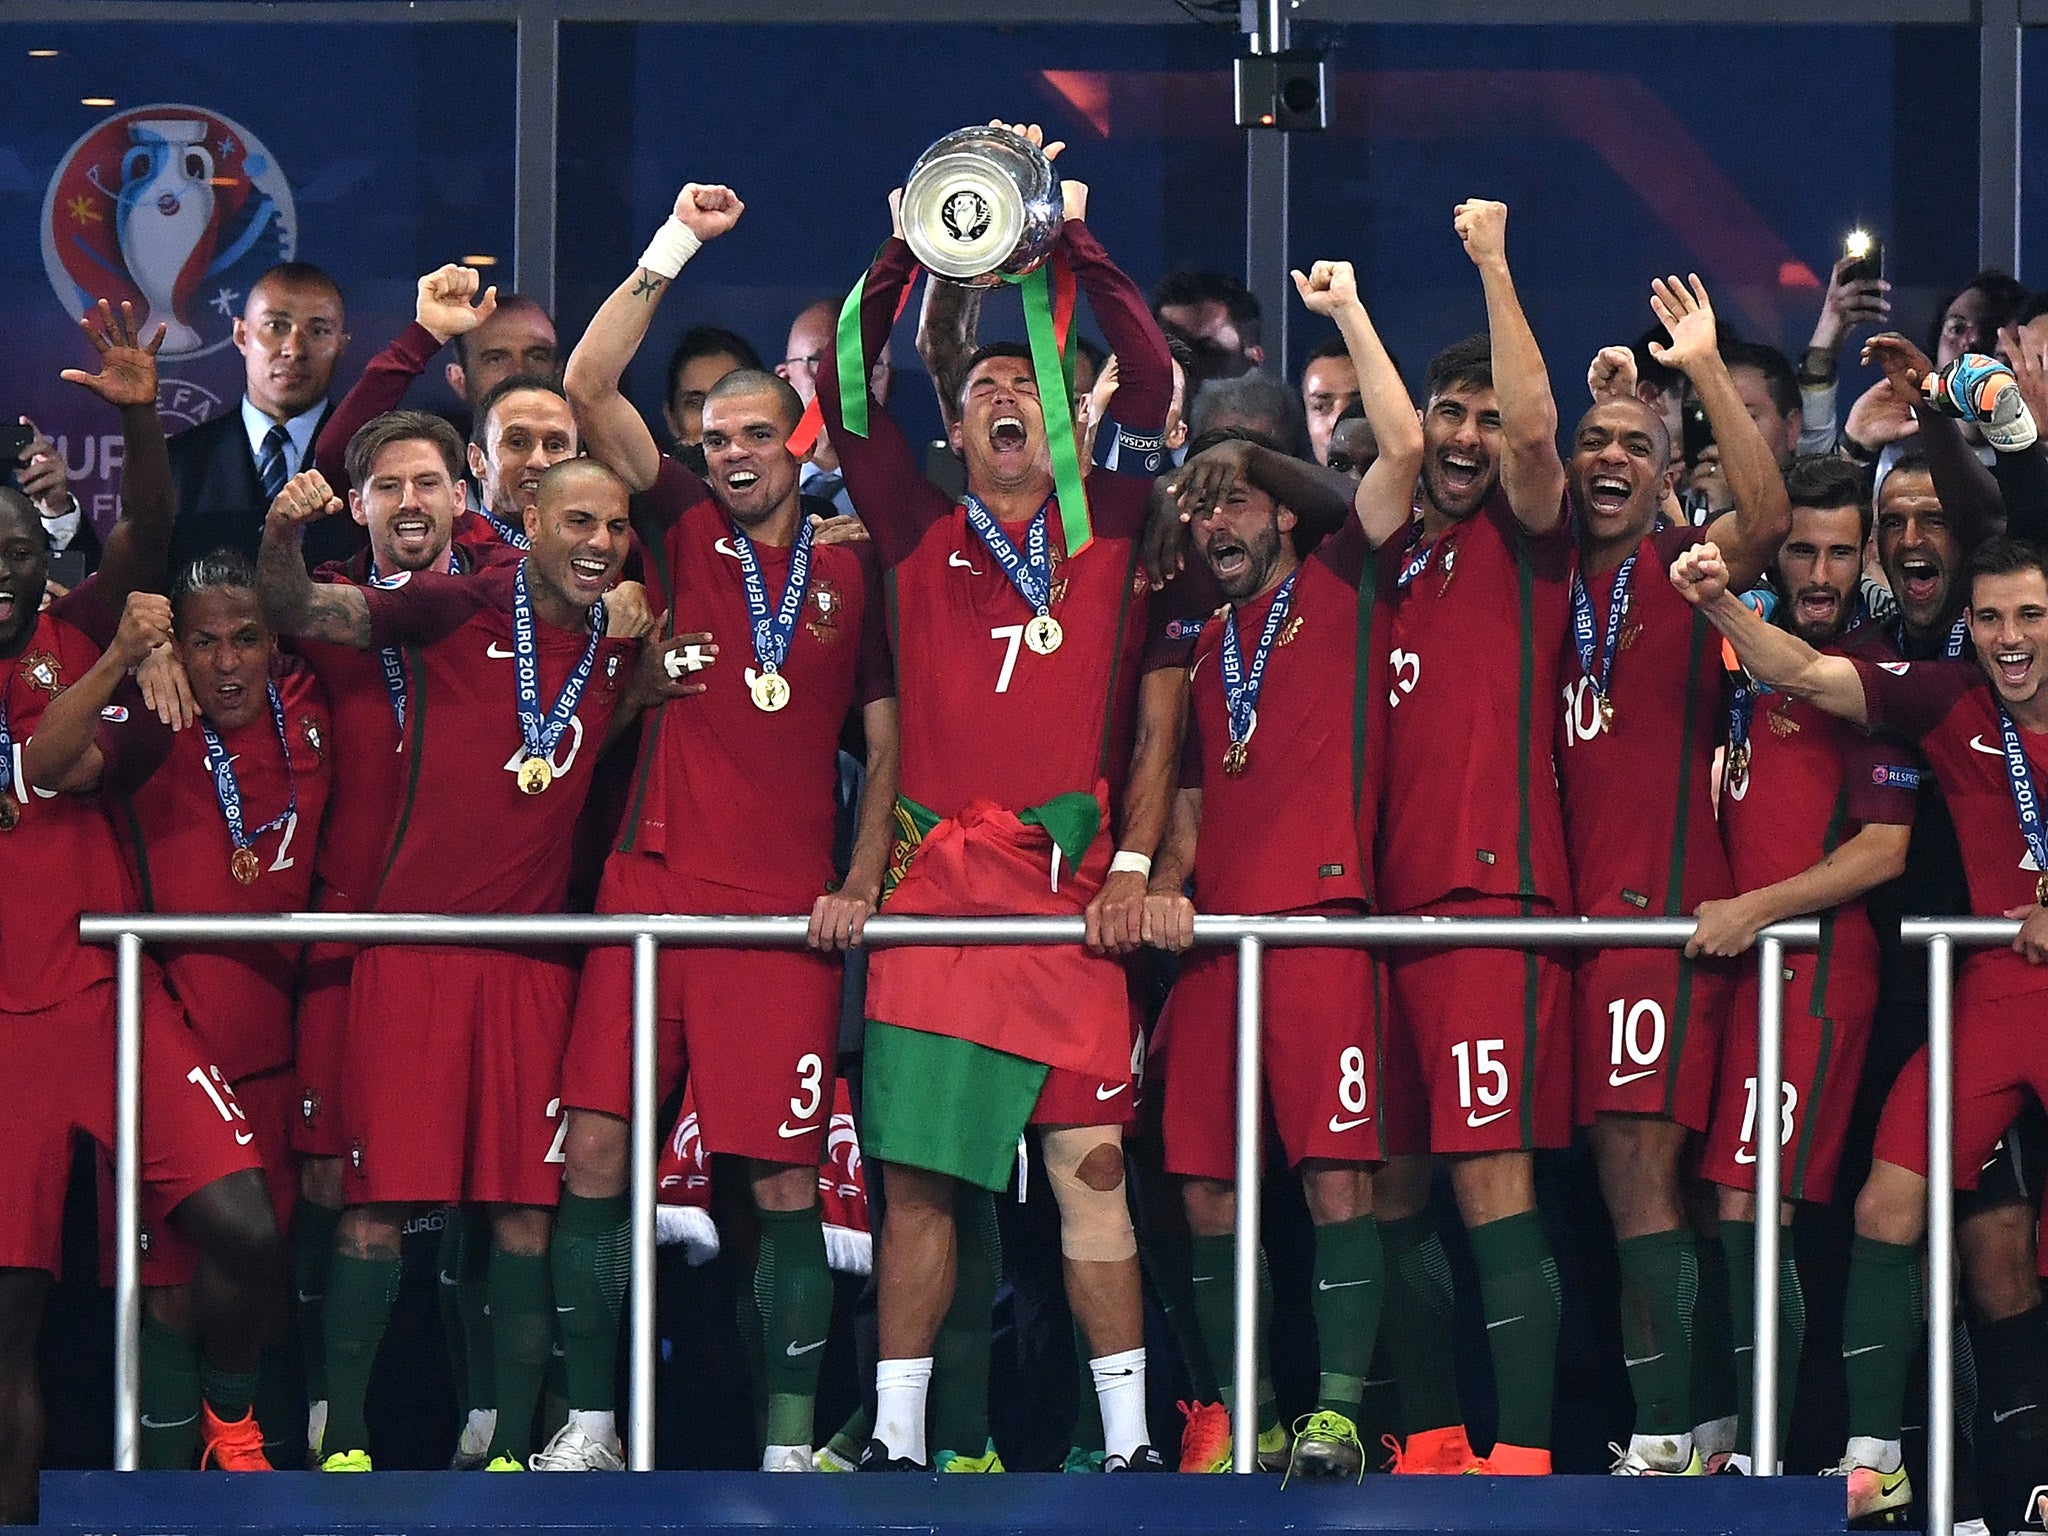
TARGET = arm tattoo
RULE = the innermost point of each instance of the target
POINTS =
(649, 286)
(337, 614)
(294, 605)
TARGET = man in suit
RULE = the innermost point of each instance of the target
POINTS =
(227, 470)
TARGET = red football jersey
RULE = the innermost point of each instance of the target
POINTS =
(1813, 782)
(985, 717)
(60, 860)
(466, 838)
(1470, 793)
(725, 792)
(1949, 708)
(1639, 795)
(176, 843)
(1294, 829)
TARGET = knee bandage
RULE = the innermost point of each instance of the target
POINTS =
(1095, 1224)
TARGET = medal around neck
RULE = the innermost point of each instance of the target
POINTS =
(769, 691)
(10, 810)
(535, 776)
(981, 205)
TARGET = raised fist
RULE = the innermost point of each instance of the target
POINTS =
(443, 306)
(1329, 287)
(1483, 226)
(145, 625)
(306, 498)
(1612, 375)
(708, 211)
(1700, 574)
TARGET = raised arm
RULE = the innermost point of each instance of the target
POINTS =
(1144, 367)
(613, 431)
(1969, 492)
(1749, 534)
(139, 547)
(293, 603)
(1775, 657)
(1531, 473)
(63, 754)
(1386, 496)
(948, 330)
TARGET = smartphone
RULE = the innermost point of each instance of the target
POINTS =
(1697, 435)
(15, 436)
(1866, 257)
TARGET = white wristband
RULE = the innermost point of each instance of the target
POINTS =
(1128, 863)
(670, 249)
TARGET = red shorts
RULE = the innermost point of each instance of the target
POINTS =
(1823, 1060)
(1486, 1032)
(1322, 1021)
(759, 1028)
(2001, 1055)
(268, 1104)
(1648, 1025)
(1074, 1098)
(450, 1090)
(60, 1077)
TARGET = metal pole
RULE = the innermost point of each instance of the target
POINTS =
(1244, 1365)
(1266, 216)
(640, 1407)
(128, 1204)
(535, 119)
(1941, 1261)
(1770, 1092)
(1998, 134)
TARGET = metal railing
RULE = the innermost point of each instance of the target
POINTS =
(1252, 936)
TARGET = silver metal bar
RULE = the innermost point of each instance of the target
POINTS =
(1244, 1363)
(128, 1204)
(1770, 1182)
(1941, 1256)
(646, 1134)
(535, 116)
(1968, 932)
(1267, 169)
(1998, 134)
(1380, 932)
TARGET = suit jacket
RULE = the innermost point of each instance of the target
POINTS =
(221, 504)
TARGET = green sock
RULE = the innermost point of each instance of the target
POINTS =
(1087, 1406)
(170, 1399)
(1659, 1291)
(1881, 1324)
(1417, 1324)
(1738, 1238)
(1349, 1280)
(1211, 1263)
(1519, 1293)
(473, 1301)
(960, 1354)
(313, 1229)
(851, 1438)
(359, 1297)
(1711, 1391)
(589, 1260)
(522, 1326)
(793, 1288)
(227, 1393)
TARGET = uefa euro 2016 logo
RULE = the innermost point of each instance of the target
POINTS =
(173, 208)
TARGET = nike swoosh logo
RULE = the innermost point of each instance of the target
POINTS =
(560, 1308)
(724, 547)
(1744, 1157)
(149, 1423)
(243, 1138)
(1642, 1360)
(1110, 1093)
(959, 560)
(1476, 1120)
(1506, 1320)
(1851, 1354)
(322, 1296)
(1977, 745)
(786, 1131)
(497, 652)
(1338, 1127)
(794, 1349)
(2000, 1418)
(1621, 1080)
(1341, 1285)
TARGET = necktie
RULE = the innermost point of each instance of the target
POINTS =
(272, 466)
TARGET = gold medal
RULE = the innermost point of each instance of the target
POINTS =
(245, 866)
(535, 775)
(2041, 890)
(1044, 635)
(1738, 762)
(1235, 757)
(770, 692)
(10, 810)
(1606, 713)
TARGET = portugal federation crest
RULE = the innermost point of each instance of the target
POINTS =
(173, 208)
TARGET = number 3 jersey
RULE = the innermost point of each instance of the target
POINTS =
(174, 838)
(467, 838)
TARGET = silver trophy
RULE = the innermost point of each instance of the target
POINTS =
(981, 205)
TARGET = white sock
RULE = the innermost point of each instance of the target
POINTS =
(477, 1432)
(900, 1390)
(1869, 1451)
(1740, 1461)
(1715, 1436)
(601, 1425)
(316, 1424)
(773, 1456)
(1120, 1389)
(1664, 1452)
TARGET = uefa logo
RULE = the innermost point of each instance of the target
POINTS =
(177, 210)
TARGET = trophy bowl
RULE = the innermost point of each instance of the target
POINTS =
(980, 205)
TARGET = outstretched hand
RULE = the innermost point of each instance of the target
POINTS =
(1688, 315)
(127, 373)
(1904, 364)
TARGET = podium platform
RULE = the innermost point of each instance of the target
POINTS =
(901, 1504)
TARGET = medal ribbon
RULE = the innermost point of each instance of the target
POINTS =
(1048, 293)
(1031, 572)
(6, 744)
(1582, 624)
(772, 631)
(850, 358)
(539, 734)
(1746, 689)
(516, 537)
(2024, 800)
(1241, 684)
(1418, 559)
(229, 792)
(390, 657)
(1957, 642)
